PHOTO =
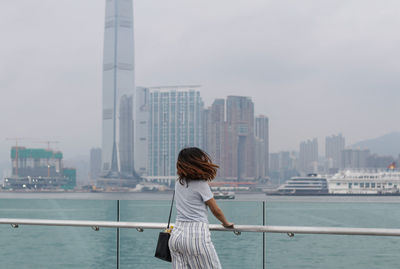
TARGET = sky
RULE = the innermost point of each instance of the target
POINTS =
(315, 68)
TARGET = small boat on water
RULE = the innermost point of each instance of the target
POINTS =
(224, 195)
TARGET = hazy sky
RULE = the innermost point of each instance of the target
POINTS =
(314, 67)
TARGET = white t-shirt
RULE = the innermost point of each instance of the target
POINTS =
(190, 200)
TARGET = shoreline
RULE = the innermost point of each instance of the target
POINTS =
(248, 197)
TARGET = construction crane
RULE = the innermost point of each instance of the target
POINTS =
(16, 139)
(48, 142)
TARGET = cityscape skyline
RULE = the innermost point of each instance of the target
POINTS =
(299, 105)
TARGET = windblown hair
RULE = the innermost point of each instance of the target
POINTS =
(195, 164)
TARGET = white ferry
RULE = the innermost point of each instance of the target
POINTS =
(309, 185)
(224, 195)
(365, 183)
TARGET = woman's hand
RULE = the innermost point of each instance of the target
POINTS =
(228, 225)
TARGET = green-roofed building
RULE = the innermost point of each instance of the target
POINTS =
(38, 168)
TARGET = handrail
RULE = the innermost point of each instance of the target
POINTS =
(140, 226)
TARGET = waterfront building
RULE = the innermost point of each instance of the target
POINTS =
(118, 91)
(262, 146)
(142, 131)
(377, 162)
(39, 169)
(95, 163)
(334, 145)
(214, 132)
(175, 122)
(282, 166)
(239, 159)
(274, 162)
(308, 156)
(36, 162)
(354, 158)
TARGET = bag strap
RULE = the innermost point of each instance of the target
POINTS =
(170, 211)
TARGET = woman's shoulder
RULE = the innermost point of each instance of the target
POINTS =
(192, 184)
(199, 184)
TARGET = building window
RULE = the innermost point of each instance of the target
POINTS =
(372, 185)
(366, 185)
(361, 185)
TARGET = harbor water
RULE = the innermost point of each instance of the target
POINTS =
(66, 247)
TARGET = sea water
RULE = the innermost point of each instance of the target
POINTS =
(66, 247)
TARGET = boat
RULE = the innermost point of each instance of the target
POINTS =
(312, 184)
(224, 195)
(365, 183)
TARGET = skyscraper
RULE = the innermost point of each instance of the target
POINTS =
(214, 133)
(308, 156)
(239, 146)
(334, 145)
(95, 163)
(118, 90)
(175, 122)
(262, 149)
(354, 158)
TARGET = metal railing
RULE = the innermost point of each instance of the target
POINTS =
(141, 226)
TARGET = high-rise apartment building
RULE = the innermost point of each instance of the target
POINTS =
(282, 166)
(262, 146)
(308, 156)
(142, 131)
(334, 145)
(118, 90)
(175, 122)
(354, 158)
(214, 133)
(239, 159)
(95, 163)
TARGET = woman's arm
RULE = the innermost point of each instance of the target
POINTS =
(217, 212)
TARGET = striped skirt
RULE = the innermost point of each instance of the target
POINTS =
(191, 246)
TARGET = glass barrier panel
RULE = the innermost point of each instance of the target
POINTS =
(332, 251)
(137, 249)
(245, 250)
(57, 247)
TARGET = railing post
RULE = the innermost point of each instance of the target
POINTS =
(118, 219)
(264, 249)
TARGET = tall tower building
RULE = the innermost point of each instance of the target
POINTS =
(118, 90)
(214, 133)
(262, 150)
(308, 156)
(95, 163)
(334, 145)
(175, 122)
(239, 160)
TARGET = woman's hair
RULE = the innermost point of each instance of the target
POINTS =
(195, 164)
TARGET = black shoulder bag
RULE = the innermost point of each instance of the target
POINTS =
(162, 250)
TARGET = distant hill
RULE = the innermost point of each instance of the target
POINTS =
(388, 144)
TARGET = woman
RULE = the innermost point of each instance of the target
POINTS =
(190, 241)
